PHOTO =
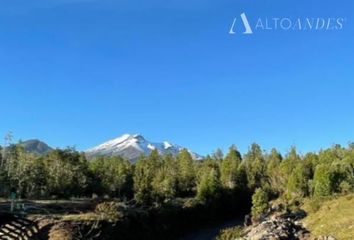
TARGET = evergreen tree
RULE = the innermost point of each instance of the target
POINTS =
(37, 187)
(287, 166)
(67, 173)
(259, 203)
(144, 173)
(298, 182)
(114, 175)
(164, 185)
(255, 167)
(229, 168)
(322, 181)
(218, 155)
(186, 173)
(273, 171)
(209, 187)
(342, 173)
(311, 160)
(333, 154)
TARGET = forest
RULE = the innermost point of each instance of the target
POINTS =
(156, 180)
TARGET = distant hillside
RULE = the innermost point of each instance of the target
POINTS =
(36, 147)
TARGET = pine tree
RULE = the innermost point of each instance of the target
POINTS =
(322, 181)
(298, 182)
(218, 155)
(67, 172)
(287, 166)
(259, 203)
(186, 172)
(209, 186)
(255, 167)
(114, 175)
(273, 171)
(145, 171)
(164, 184)
(229, 168)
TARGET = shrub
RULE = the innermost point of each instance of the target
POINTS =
(109, 211)
(230, 233)
(345, 187)
(314, 204)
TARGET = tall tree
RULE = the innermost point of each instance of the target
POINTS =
(298, 182)
(144, 174)
(164, 184)
(67, 172)
(209, 187)
(287, 166)
(114, 175)
(274, 160)
(230, 168)
(218, 155)
(322, 182)
(186, 172)
(255, 167)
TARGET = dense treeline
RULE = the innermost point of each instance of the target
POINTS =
(156, 179)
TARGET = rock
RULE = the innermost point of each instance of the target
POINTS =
(248, 220)
(325, 238)
(331, 238)
(278, 228)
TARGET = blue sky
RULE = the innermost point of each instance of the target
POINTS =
(80, 72)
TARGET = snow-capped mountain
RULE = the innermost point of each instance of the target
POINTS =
(132, 147)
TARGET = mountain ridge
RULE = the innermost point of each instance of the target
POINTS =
(132, 146)
(36, 146)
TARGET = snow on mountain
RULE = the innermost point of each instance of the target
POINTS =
(132, 147)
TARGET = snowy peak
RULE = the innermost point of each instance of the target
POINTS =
(132, 146)
(167, 145)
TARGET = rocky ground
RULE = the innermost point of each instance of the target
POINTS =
(280, 227)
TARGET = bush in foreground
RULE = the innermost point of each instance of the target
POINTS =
(230, 233)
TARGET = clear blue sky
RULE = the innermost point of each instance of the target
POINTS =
(79, 72)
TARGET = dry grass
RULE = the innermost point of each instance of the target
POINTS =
(333, 217)
(82, 217)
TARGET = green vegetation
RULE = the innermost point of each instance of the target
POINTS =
(153, 180)
(209, 187)
(158, 181)
(230, 234)
(331, 216)
(259, 203)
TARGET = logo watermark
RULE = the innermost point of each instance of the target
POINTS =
(285, 24)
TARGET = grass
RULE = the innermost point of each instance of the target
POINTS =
(82, 217)
(333, 217)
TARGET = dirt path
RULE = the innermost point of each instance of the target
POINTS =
(210, 233)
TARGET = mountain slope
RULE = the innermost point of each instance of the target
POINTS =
(330, 217)
(36, 147)
(132, 147)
